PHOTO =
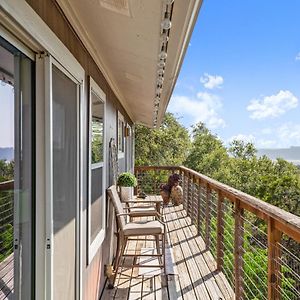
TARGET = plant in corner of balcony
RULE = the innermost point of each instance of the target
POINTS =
(127, 179)
(126, 182)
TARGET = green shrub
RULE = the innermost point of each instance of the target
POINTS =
(126, 179)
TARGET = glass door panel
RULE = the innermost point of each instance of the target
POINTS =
(16, 177)
(65, 94)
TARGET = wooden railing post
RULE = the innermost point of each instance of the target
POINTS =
(185, 191)
(193, 219)
(220, 231)
(137, 187)
(238, 250)
(189, 195)
(207, 217)
(199, 217)
(274, 265)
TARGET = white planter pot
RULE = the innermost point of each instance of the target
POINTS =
(126, 193)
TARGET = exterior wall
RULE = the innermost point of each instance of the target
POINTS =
(48, 10)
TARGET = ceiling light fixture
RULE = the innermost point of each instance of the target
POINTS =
(164, 38)
(168, 2)
(161, 64)
(160, 72)
(158, 90)
(163, 55)
(166, 24)
(160, 81)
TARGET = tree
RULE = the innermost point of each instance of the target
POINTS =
(167, 145)
(208, 155)
(6, 170)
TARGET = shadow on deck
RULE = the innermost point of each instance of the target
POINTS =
(191, 269)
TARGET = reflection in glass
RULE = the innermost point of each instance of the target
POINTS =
(97, 129)
(65, 184)
(16, 199)
(96, 190)
(97, 140)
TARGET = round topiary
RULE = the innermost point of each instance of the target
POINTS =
(126, 179)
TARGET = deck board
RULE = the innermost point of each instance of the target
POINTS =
(7, 277)
(192, 275)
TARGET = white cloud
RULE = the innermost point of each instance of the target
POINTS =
(262, 143)
(289, 134)
(211, 81)
(249, 138)
(297, 56)
(272, 106)
(203, 108)
(284, 136)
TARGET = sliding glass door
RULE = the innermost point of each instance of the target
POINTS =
(16, 174)
(63, 182)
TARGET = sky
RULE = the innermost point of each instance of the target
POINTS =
(241, 73)
(6, 115)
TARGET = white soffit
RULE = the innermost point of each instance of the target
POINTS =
(123, 36)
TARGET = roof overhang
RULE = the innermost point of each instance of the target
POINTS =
(124, 39)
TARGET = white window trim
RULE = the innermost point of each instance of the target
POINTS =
(121, 154)
(97, 242)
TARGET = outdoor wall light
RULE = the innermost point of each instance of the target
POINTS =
(163, 55)
(166, 24)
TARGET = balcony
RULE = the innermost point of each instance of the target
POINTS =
(6, 240)
(222, 244)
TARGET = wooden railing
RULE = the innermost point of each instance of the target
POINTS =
(254, 243)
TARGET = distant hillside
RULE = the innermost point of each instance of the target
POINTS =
(291, 154)
(7, 153)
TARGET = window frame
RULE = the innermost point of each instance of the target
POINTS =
(121, 153)
(94, 246)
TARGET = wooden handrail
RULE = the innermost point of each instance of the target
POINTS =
(283, 221)
(7, 185)
(278, 222)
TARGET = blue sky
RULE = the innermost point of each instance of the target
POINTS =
(241, 73)
(6, 115)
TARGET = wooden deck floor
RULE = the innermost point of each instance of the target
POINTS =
(191, 269)
(7, 278)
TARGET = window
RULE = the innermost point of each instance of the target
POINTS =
(121, 135)
(96, 202)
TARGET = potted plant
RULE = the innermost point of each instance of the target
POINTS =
(126, 182)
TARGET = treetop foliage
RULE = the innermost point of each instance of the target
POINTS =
(166, 145)
(276, 182)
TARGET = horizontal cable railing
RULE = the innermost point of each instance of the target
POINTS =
(6, 234)
(255, 244)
